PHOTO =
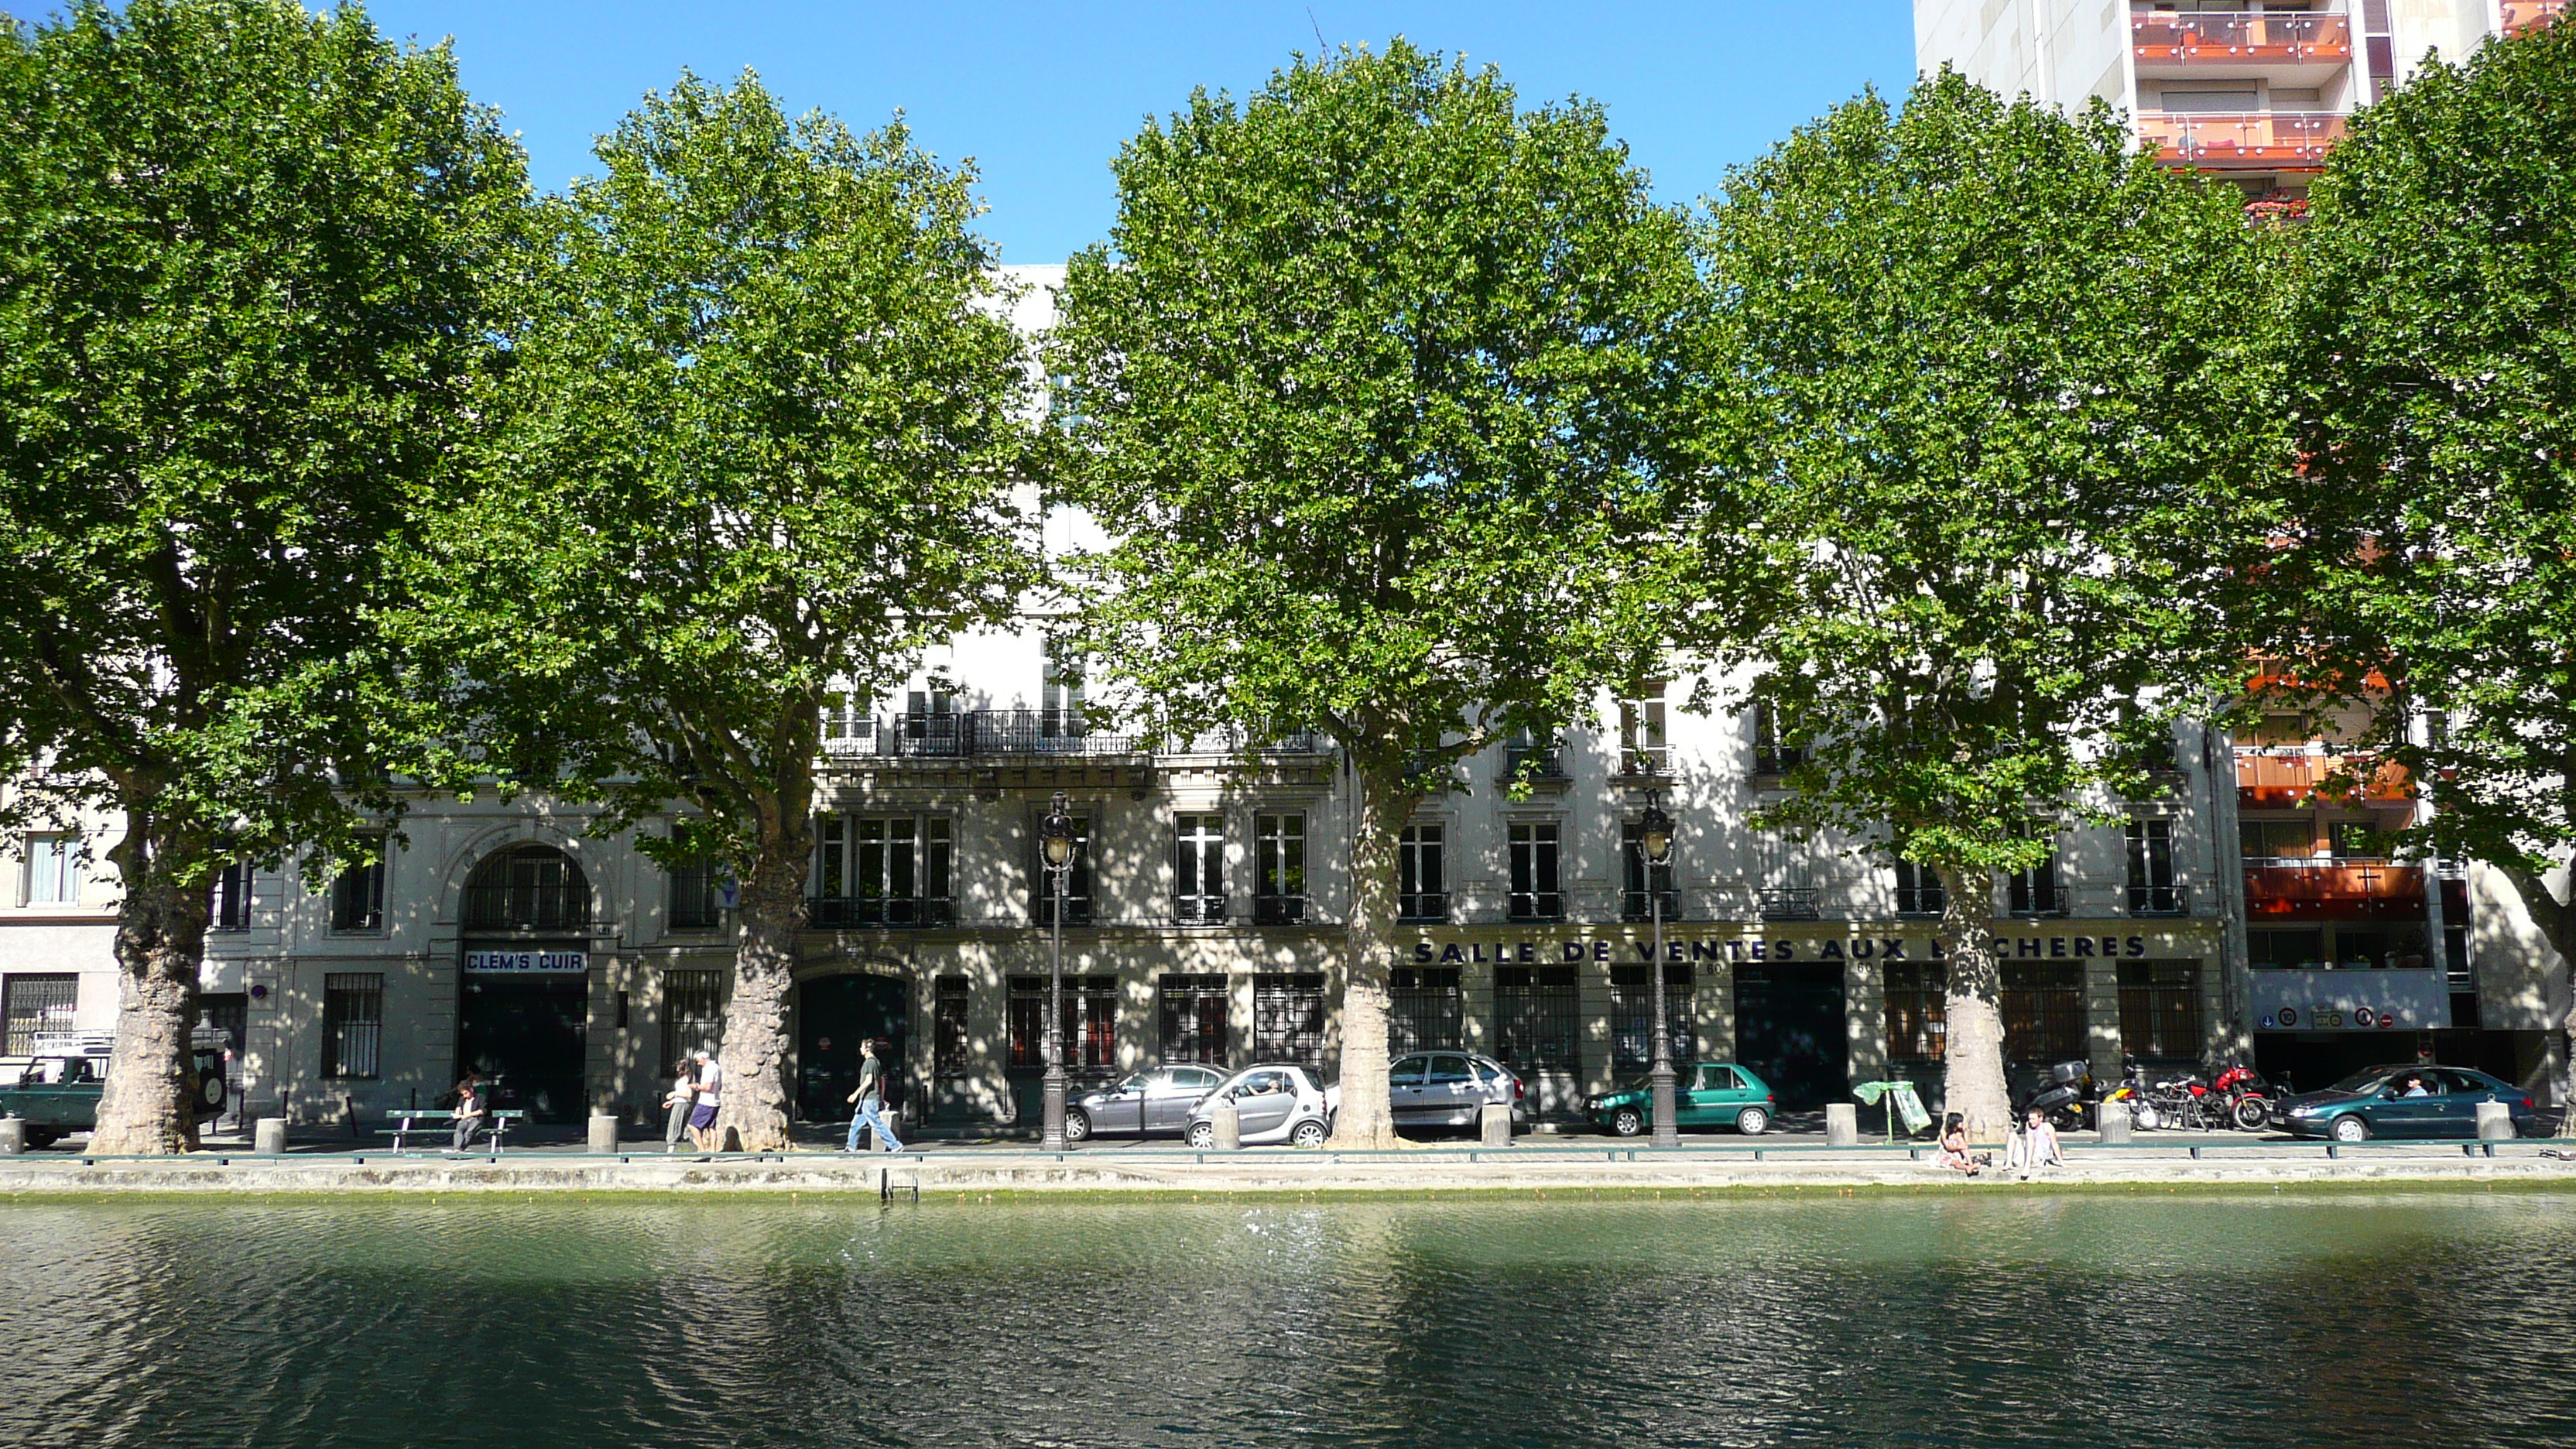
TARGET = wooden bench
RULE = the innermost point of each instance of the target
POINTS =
(438, 1122)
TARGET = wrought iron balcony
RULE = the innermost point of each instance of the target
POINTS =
(1199, 910)
(841, 913)
(1536, 906)
(1633, 905)
(1648, 762)
(1533, 764)
(2163, 900)
(1077, 911)
(1792, 903)
(1279, 910)
(1423, 907)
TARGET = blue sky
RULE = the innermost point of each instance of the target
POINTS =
(1041, 95)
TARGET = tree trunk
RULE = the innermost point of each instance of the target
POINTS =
(2557, 923)
(1974, 1049)
(148, 1105)
(753, 1115)
(1366, 1118)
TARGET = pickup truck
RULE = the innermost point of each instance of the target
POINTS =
(56, 1087)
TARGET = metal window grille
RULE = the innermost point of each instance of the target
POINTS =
(1422, 884)
(692, 1011)
(1538, 1016)
(1279, 869)
(2152, 890)
(1288, 1017)
(1918, 1013)
(1426, 1010)
(34, 1005)
(1632, 1015)
(353, 1024)
(531, 888)
(1198, 869)
(697, 903)
(1090, 1023)
(948, 1038)
(1633, 902)
(358, 896)
(1192, 1026)
(2160, 1008)
(1534, 894)
(2043, 1011)
(1918, 890)
(1077, 878)
(229, 906)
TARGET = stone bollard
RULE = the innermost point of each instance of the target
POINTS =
(1227, 1124)
(13, 1136)
(2495, 1122)
(1497, 1120)
(603, 1132)
(2114, 1122)
(268, 1139)
(1842, 1124)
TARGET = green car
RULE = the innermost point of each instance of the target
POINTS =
(57, 1090)
(1705, 1094)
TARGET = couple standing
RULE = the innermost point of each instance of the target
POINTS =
(693, 1099)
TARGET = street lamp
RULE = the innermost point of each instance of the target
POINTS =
(1655, 842)
(1056, 840)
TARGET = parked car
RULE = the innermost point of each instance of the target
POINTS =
(2400, 1101)
(1157, 1099)
(1705, 1094)
(56, 1089)
(1273, 1103)
(1451, 1089)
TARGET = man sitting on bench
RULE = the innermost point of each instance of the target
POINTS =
(469, 1110)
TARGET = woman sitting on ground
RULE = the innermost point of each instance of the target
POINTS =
(1954, 1145)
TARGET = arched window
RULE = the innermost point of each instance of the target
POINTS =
(527, 888)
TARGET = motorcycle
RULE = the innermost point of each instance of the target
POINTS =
(2248, 1101)
(2070, 1097)
(2183, 1103)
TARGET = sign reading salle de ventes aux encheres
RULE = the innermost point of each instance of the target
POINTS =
(1830, 948)
(528, 963)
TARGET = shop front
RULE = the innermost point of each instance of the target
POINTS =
(522, 1024)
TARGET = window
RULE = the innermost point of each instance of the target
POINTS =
(882, 870)
(1534, 894)
(1632, 1015)
(1090, 1024)
(847, 727)
(38, 1004)
(1642, 750)
(1918, 1013)
(1198, 869)
(526, 888)
(2043, 1011)
(697, 899)
(692, 1011)
(929, 723)
(1288, 1017)
(2034, 892)
(1076, 877)
(2152, 891)
(228, 908)
(2291, 950)
(1425, 1009)
(2160, 1009)
(1918, 890)
(2265, 841)
(1192, 1026)
(1633, 901)
(358, 896)
(1060, 692)
(53, 870)
(1771, 754)
(1279, 870)
(2356, 840)
(1537, 1016)
(1713, 1078)
(1422, 890)
(1529, 757)
(948, 1038)
(353, 1024)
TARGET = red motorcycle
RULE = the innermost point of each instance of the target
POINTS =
(2245, 1096)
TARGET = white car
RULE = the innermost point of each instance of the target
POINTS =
(1274, 1103)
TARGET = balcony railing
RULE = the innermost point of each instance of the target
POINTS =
(1199, 910)
(1792, 903)
(2271, 780)
(1278, 910)
(842, 913)
(2522, 15)
(1633, 905)
(1040, 734)
(2159, 900)
(1646, 762)
(1537, 764)
(1777, 759)
(2329, 887)
(2224, 36)
(2248, 139)
(1077, 911)
(1536, 906)
(1422, 906)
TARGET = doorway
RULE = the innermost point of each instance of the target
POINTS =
(229, 1013)
(833, 1015)
(526, 1034)
(1789, 1030)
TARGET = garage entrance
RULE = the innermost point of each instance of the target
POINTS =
(1789, 1030)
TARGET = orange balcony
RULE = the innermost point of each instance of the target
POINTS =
(2273, 782)
(2522, 15)
(2235, 37)
(2242, 140)
(2331, 888)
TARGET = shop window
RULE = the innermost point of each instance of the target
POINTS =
(948, 1038)
(1632, 1015)
(1422, 889)
(353, 1025)
(526, 888)
(1198, 868)
(692, 1011)
(1192, 1018)
(358, 894)
(1288, 1017)
(2043, 1011)
(1279, 869)
(1918, 1014)
(37, 1005)
(2160, 1009)
(53, 870)
(1426, 1010)
(1090, 1023)
(1634, 867)
(1538, 1017)
(1534, 893)
(1918, 890)
(228, 903)
(1077, 878)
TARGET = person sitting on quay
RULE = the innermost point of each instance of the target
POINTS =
(2036, 1147)
(1954, 1145)
(469, 1111)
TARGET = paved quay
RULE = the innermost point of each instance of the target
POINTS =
(979, 1172)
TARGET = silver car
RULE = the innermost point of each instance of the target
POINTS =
(1272, 1103)
(1157, 1099)
(1450, 1089)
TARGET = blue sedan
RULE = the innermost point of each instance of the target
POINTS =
(2399, 1101)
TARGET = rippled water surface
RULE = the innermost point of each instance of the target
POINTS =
(2419, 1318)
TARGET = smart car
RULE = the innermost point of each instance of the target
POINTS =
(1274, 1103)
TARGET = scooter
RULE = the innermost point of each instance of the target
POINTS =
(2069, 1098)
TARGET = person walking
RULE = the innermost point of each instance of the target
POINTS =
(683, 1096)
(870, 1100)
(470, 1111)
(710, 1089)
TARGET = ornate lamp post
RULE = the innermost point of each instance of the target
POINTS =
(1655, 841)
(1056, 839)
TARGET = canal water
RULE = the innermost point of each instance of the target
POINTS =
(2148, 1319)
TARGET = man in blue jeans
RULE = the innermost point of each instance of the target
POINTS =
(870, 1099)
